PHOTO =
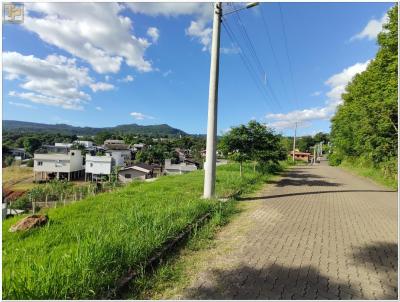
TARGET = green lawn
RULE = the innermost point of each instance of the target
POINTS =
(88, 245)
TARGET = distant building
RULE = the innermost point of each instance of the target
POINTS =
(137, 171)
(304, 156)
(181, 168)
(68, 145)
(86, 144)
(56, 162)
(119, 151)
(138, 147)
(98, 166)
(19, 153)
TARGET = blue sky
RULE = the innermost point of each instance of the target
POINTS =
(107, 64)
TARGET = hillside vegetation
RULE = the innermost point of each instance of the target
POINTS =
(87, 246)
(23, 127)
(365, 129)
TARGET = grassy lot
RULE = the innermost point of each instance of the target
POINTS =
(369, 172)
(17, 178)
(88, 245)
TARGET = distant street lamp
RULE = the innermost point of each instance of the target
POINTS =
(211, 150)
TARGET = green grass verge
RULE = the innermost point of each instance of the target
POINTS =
(87, 246)
(369, 172)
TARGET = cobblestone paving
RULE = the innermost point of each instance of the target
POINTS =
(319, 233)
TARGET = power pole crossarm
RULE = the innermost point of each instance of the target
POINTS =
(211, 150)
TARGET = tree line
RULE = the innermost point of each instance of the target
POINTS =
(365, 128)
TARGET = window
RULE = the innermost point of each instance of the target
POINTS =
(72, 153)
(40, 163)
(128, 176)
(91, 164)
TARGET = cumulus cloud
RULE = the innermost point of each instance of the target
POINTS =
(101, 86)
(94, 32)
(337, 84)
(55, 80)
(140, 116)
(154, 33)
(199, 28)
(372, 29)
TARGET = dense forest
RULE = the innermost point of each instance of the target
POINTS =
(365, 127)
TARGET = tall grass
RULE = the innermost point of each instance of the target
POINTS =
(87, 246)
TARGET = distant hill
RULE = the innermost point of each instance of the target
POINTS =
(24, 127)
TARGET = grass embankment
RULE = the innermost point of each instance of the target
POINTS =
(87, 246)
(373, 173)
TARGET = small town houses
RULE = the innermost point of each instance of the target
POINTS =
(64, 161)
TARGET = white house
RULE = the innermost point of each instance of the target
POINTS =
(138, 171)
(66, 164)
(96, 166)
(178, 168)
(86, 144)
(118, 151)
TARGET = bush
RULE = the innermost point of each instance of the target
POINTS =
(334, 159)
(8, 160)
(29, 163)
(21, 203)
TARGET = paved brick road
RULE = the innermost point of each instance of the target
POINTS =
(319, 233)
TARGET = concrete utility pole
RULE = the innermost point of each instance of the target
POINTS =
(211, 150)
(294, 140)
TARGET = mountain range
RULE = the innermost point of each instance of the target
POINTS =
(25, 127)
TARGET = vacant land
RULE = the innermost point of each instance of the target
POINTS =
(87, 246)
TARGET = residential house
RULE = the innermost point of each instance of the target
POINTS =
(56, 162)
(98, 166)
(137, 171)
(86, 144)
(304, 156)
(180, 168)
(119, 151)
(19, 153)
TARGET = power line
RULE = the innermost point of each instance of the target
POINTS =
(245, 59)
(254, 55)
(287, 53)
(271, 45)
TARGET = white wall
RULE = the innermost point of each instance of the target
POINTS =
(98, 164)
(120, 156)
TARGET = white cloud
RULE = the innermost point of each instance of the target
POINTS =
(23, 105)
(316, 93)
(101, 86)
(55, 80)
(98, 108)
(199, 28)
(154, 33)
(233, 50)
(200, 31)
(94, 32)
(337, 84)
(167, 73)
(127, 79)
(371, 30)
(141, 116)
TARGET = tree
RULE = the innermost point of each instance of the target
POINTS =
(31, 144)
(236, 145)
(365, 127)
